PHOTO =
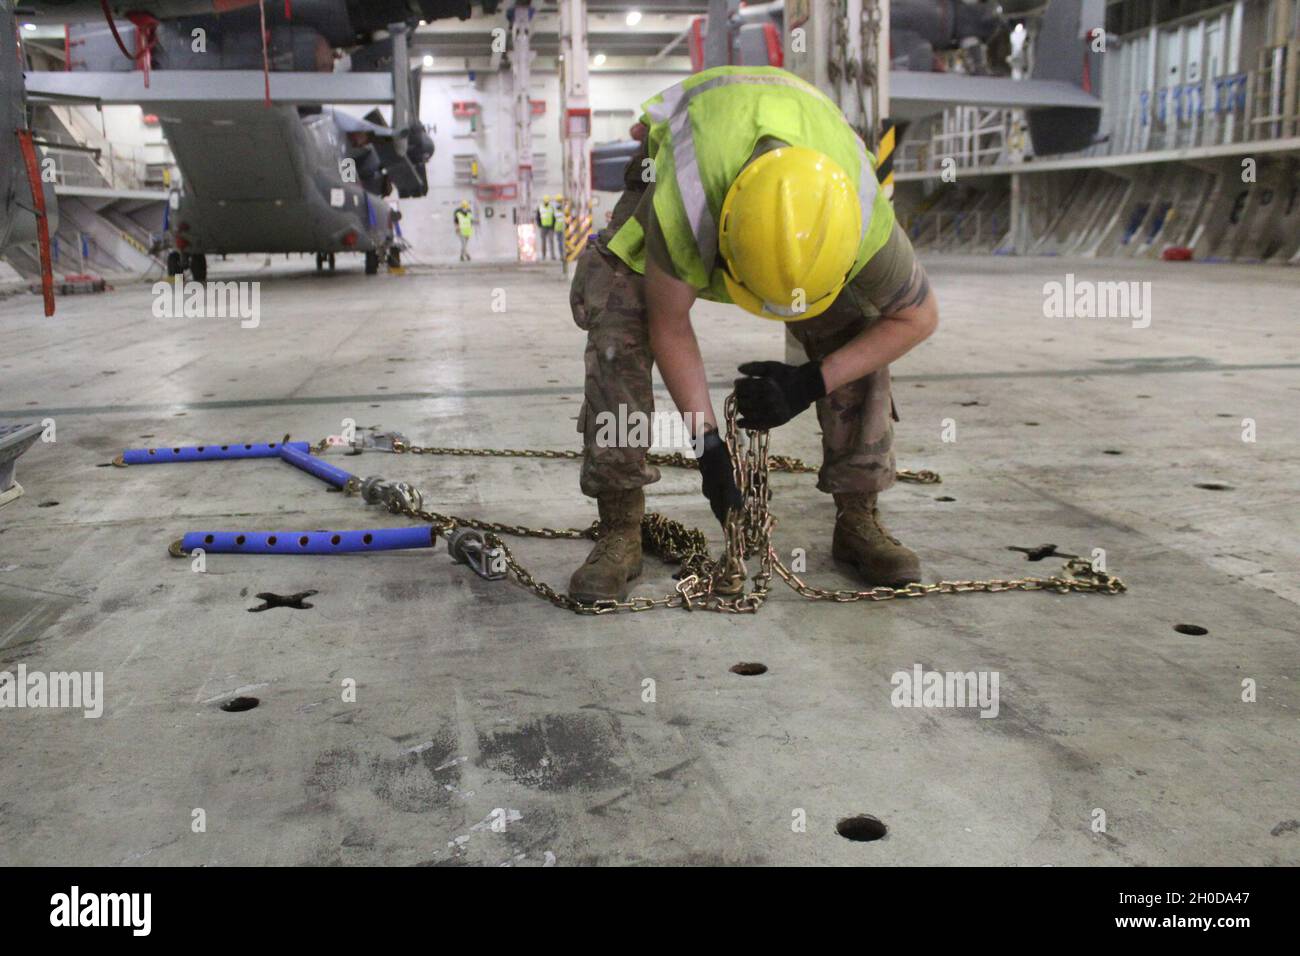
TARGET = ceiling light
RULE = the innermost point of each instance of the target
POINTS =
(428, 61)
(598, 60)
(633, 17)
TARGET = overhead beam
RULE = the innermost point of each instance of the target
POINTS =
(650, 6)
(671, 45)
(1186, 154)
(214, 86)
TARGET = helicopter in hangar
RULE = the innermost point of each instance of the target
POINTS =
(302, 178)
(248, 95)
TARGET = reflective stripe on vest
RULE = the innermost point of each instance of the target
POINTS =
(675, 111)
(678, 162)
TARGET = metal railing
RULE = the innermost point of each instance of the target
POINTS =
(965, 231)
(108, 166)
(963, 137)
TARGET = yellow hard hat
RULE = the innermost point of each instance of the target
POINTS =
(464, 204)
(791, 227)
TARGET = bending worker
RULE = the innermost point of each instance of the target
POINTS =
(760, 194)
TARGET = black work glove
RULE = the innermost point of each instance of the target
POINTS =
(719, 482)
(773, 393)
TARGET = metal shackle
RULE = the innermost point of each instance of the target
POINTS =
(468, 547)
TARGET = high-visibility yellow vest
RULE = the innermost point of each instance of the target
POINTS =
(559, 220)
(703, 131)
(548, 215)
(465, 222)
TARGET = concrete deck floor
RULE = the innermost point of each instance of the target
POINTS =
(475, 697)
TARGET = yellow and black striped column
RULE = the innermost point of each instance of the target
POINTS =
(577, 228)
(885, 157)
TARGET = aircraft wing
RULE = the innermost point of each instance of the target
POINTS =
(236, 152)
(913, 95)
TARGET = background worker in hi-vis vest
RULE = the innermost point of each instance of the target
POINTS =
(558, 205)
(545, 220)
(464, 228)
(762, 196)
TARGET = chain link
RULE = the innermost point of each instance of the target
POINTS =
(703, 583)
(858, 71)
(870, 118)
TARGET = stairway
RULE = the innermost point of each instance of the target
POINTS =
(107, 222)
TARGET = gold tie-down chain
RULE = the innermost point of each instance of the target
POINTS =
(704, 583)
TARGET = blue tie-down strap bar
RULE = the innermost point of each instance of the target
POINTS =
(152, 456)
(306, 542)
(466, 545)
(300, 458)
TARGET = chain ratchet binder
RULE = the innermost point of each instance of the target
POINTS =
(703, 584)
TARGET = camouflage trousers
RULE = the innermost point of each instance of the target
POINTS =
(608, 303)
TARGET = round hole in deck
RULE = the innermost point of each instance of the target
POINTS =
(1193, 629)
(248, 446)
(272, 445)
(368, 538)
(208, 539)
(303, 540)
(176, 451)
(1214, 486)
(239, 540)
(153, 451)
(863, 828)
(225, 448)
(335, 540)
(271, 540)
(749, 668)
(237, 704)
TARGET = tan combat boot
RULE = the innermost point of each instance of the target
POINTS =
(616, 558)
(861, 540)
